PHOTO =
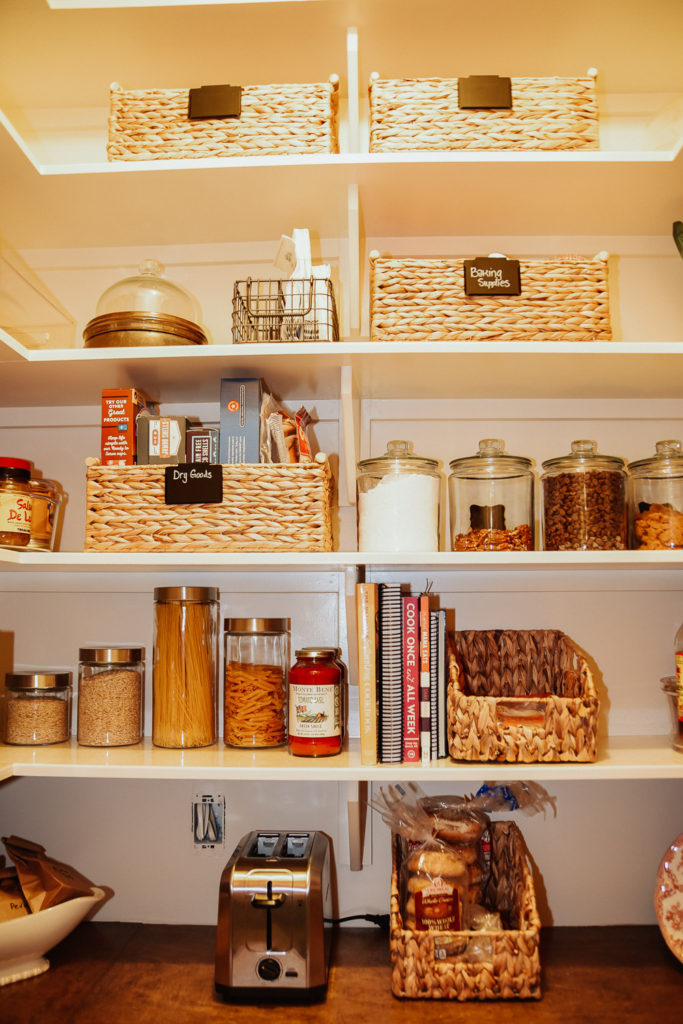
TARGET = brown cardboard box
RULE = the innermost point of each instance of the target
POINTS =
(120, 407)
(161, 439)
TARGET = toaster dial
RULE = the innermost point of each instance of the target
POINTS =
(269, 969)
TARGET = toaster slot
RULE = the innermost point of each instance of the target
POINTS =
(265, 844)
(297, 844)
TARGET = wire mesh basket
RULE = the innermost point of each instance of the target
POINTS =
(295, 309)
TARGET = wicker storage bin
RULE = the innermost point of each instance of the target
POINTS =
(488, 667)
(265, 508)
(513, 970)
(564, 298)
(152, 124)
(423, 114)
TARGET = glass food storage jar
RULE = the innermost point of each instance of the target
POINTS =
(111, 687)
(316, 704)
(185, 669)
(656, 499)
(37, 707)
(584, 501)
(491, 500)
(398, 501)
(256, 663)
(674, 696)
(15, 503)
(46, 501)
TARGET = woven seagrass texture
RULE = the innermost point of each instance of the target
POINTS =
(152, 124)
(564, 298)
(487, 667)
(423, 114)
(513, 970)
(265, 508)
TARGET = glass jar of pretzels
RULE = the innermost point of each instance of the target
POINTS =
(256, 660)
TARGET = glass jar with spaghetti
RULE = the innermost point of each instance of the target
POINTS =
(185, 669)
(256, 660)
(315, 703)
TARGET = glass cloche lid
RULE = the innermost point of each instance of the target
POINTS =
(148, 291)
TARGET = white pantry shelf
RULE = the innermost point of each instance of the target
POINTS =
(624, 758)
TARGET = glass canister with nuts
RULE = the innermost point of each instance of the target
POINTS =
(491, 500)
(584, 501)
(656, 499)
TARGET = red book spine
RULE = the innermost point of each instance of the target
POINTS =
(411, 680)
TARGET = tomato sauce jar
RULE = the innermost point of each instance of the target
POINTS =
(315, 703)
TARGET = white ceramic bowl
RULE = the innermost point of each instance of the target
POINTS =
(24, 940)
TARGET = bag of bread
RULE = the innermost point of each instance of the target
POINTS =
(434, 888)
(45, 882)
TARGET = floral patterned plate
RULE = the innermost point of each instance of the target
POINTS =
(669, 897)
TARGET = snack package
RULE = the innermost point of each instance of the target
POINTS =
(45, 882)
(286, 438)
(12, 902)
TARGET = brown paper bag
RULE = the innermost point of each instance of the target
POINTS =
(12, 902)
(45, 882)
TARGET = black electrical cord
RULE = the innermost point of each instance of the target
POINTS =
(381, 920)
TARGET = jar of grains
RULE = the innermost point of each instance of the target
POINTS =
(316, 703)
(111, 686)
(185, 670)
(15, 503)
(46, 500)
(584, 501)
(256, 660)
(37, 707)
(656, 498)
(491, 500)
(398, 501)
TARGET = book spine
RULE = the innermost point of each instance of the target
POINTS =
(411, 680)
(366, 619)
(425, 683)
(442, 683)
(434, 681)
(390, 674)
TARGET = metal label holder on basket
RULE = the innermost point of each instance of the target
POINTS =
(290, 310)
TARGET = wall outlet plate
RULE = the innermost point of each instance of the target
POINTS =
(208, 822)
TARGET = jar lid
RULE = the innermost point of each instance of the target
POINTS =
(257, 625)
(317, 652)
(491, 460)
(399, 457)
(97, 655)
(37, 680)
(198, 595)
(668, 461)
(585, 456)
(22, 464)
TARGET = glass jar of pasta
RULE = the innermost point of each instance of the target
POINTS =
(256, 661)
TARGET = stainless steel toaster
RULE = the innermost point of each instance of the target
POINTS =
(274, 910)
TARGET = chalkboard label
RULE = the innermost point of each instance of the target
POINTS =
(486, 92)
(193, 483)
(215, 101)
(492, 276)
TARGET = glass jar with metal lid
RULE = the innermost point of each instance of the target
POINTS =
(656, 498)
(37, 707)
(111, 688)
(15, 502)
(491, 500)
(398, 501)
(185, 668)
(46, 500)
(256, 665)
(315, 703)
(584, 501)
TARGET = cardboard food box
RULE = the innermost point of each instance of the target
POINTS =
(120, 408)
(201, 445)
(161, 439)
(240, 420)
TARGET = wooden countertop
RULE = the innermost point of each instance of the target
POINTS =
(139, 974)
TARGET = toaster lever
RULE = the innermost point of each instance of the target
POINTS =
(267, 902)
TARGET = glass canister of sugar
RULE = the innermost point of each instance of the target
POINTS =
(399, 501)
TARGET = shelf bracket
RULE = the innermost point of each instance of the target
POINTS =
(350, 428)
(355, 796)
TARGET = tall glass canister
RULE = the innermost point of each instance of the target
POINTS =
(584, 501)
(256, 665)
(185, 671)
(656, 499)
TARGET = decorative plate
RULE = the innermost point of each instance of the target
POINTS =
(669, 897)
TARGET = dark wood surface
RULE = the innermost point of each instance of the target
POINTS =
(154, 974)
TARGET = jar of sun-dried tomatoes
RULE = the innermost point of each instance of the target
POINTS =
(15, 503)
(316, 703)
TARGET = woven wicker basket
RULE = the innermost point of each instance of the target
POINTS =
(513, 970)
(488, 667)
(423, 114)
(152, 124)
(564, 298)
(264, 508)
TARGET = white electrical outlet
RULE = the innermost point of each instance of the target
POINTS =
(208, 821)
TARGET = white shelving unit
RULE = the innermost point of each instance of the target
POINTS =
(77, 221)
